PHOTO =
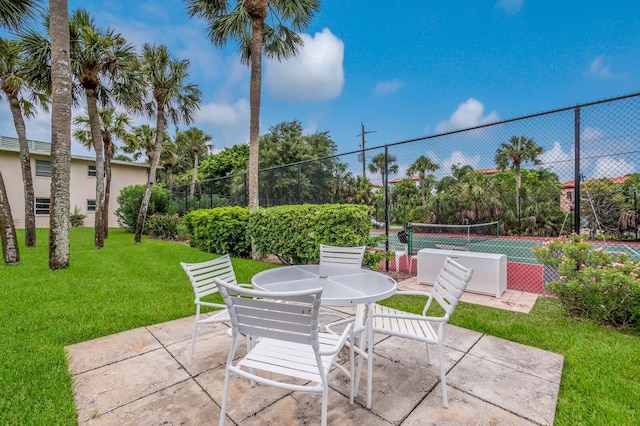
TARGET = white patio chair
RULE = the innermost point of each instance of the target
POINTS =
(447, 290)
(201, 276)
(288, 341)
(342, 256)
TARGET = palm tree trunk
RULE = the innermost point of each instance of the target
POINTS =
(60, 135)
(153, 165)
(10, 250)
(96, 136)
(25, 163)
(257, 10)
(107, 195)
(518, 191)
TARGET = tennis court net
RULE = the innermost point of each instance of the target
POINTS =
(450, 237)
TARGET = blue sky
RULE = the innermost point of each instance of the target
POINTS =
(404, 69)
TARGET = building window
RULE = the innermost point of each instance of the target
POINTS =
(43, 168)
(42, 205)
(91, 205)
(92, 171)
(569, 195)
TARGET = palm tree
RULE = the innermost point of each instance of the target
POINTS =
(173, 100)
(245, 22)
(169, 159)
(14, 84)
(112, 125)
(103, 65)
(378, 164)
(60, 135)
(13, 12)
(420, 167)
(517, 151)
(140, 141)
(194, 143)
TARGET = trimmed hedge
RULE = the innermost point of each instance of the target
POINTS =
(294, 233)
(220, 230)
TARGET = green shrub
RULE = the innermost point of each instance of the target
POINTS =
(130, 199)
(294, 233)
(165, 226)
(220, 230)
(593, 284)
(76, 219)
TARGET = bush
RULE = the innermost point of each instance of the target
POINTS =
(166, 226)
(294, 233)
(76, 219)
(220, 230)
(593, 284)
(130, 199)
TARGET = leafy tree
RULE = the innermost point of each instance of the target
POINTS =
(340, 181)
(14, 83)
(172, 100)
(140, 142)
(518, 150)
(227, 162)
(193, 143)
(244, 21)
(112, 125)
(14, 12)
(404, 196)
(421, 166)
(169, 159)
(601, 204)
(285, 144)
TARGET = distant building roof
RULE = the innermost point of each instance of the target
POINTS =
(396, 180)
(616, 180)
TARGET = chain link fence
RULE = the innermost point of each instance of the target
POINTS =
(570, 170)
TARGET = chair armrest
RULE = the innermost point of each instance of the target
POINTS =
(211, 304)
(412, 293)
(343, 339)
(414, 317)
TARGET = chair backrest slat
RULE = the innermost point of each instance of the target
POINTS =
(202, 274)
(342, 256)
(450, 284)
(288, 316)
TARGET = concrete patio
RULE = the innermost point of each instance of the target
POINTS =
(140, 377)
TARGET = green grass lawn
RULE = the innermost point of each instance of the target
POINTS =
(125, 286)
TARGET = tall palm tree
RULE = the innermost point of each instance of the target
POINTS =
(15, 84)
(12, 13)
(518, 150)
(112, 125)
(244, 21)
(172, 100)
(420, 167)
(103, 64)
(60, 135)
(378, 165)
(194, 143)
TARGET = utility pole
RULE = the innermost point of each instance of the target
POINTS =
(364, 161)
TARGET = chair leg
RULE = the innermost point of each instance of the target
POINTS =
(325, 401)
(225, 392)
(443, 375)
(193, 337)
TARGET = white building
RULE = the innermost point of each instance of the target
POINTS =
(83, 182)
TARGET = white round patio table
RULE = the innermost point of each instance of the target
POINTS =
(341, 286)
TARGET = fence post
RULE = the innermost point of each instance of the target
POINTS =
(577, 174)
(386, 203)
(299, 183)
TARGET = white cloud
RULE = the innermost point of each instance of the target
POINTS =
(510, 6)
(468, 114)
(316, 73)
(610, 168)
(232, 120)
(457, 158)
(559, 162)
(388, 87)
(590, 134)
(599, 68)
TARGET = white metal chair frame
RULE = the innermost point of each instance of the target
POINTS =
(288, 341)
(447, 291)
(342, 256)
(201, 275)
